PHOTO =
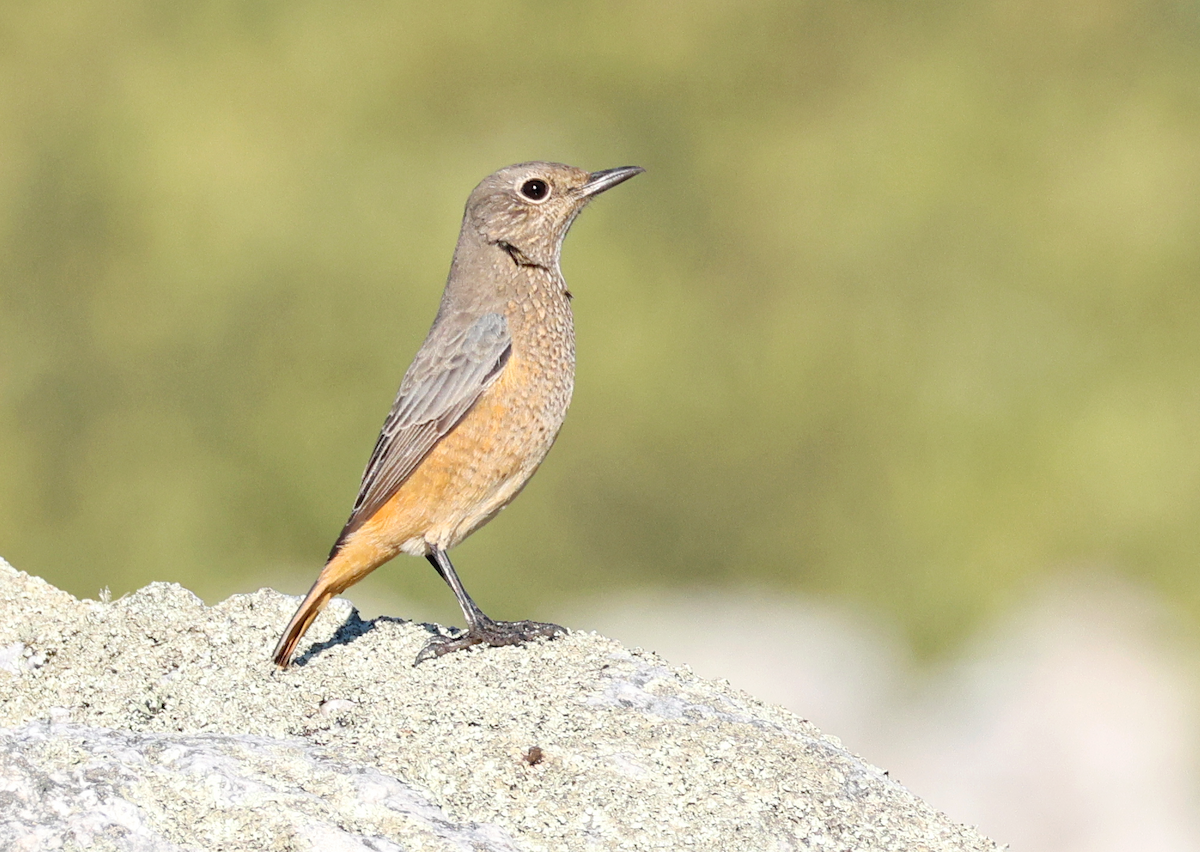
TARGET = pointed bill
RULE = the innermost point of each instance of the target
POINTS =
(608, 178)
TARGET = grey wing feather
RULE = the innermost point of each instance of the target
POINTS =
(440, 387)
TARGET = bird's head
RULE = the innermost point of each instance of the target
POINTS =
(526, 209)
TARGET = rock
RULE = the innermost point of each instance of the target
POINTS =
(156, 723)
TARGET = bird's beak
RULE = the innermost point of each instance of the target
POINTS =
(599, 181)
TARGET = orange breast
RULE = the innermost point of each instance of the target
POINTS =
(471, 473)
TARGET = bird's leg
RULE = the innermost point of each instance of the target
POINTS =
(441, 563)
(481, 630)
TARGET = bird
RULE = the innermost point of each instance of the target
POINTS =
(480, 405)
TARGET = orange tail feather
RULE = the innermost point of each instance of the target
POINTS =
(310, 608)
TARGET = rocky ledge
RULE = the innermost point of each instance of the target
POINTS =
(155, 722)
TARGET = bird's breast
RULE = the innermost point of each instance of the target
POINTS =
(540, 375)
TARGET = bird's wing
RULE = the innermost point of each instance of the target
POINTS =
(445, 379)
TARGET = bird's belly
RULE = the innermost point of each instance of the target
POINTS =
(480, 465)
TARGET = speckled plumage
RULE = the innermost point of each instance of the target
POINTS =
(484, 398)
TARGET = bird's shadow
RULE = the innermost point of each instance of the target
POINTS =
(351, 629)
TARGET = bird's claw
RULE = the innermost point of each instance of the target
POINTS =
(493, 633)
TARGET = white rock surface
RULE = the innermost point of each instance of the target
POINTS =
(157, 723)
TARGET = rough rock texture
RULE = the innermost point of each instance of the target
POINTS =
(155, 722)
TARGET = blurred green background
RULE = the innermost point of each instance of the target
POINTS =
(904, 311)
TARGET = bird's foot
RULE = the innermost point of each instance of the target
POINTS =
(490, 633)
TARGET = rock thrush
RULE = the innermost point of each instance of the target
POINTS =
(481, 403)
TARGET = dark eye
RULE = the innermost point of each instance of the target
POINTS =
(535, 190)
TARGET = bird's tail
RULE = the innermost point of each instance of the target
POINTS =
(344, 569)
(310, 608)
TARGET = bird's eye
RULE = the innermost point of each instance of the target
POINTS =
(535, 190)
